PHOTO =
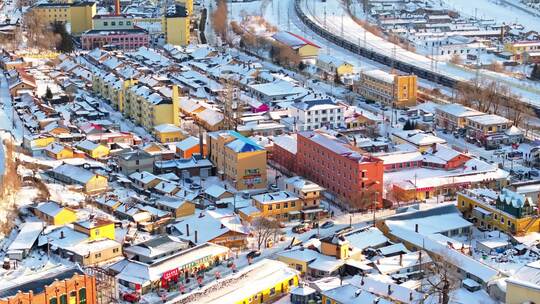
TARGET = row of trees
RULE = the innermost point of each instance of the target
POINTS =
(280, 53)
(491, 96)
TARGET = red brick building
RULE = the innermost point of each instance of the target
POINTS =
(284, 152)
(69, 286)
(352, 174)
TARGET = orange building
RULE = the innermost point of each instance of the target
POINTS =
(351, 174)
(59, 287)
(189, 146)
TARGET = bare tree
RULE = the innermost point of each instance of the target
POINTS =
(39, 33)
(263, 229)
(456, 59)
(219, 19)
(364, 200)
(440, 280)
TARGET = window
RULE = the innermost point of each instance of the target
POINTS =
(53, 301)
(115, 250)
(97, 255)
(291, 281)
(286, 205)
(462, 203)
(113, 23)
(120, 22)
(293, 204)
(128, 22)
(272, 291)
(278, 206)
(270, 207)
(63, 299)
(105, 23)
(82, 296)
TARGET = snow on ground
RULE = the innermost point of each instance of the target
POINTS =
(499, 10)
(62, 194)
(463, 296)
(333, 16)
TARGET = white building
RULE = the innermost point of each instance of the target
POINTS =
(316, 113)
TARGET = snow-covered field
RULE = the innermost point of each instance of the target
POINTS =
(333, 16)
(498, 10)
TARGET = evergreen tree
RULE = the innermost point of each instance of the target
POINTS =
(65, 44)
(407, 125)
(48, 93)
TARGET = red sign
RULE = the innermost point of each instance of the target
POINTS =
(171, 274)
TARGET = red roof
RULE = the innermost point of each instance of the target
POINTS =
(305, 40)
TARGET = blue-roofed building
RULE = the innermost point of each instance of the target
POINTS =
(238, 159)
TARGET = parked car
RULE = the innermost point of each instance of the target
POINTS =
(131, 297)
(253, 254)
(327, 224)
(401, 119)
(301, 228)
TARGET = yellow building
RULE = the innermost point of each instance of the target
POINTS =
(176, 206)
(263, 282)
(238, 159)
(523, 286)
(507, 211)
(149, 108)
(80, 177)
(37, 141)
(78, 14)
(333, 66)
(175, 26)
(279, 205)
(397, 90)
(167, 133)
(96, 228)
(336, 246)
(59, 151)
(54, 214)
(520, 48)
(92, 149)
(300, 45)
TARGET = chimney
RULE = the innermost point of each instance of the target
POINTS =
(222, 226)
(420, 257)
(416, 228)
(187, 229)
(401, 259)
(410, 296)
(117, 7)
(434, 148)
(62, 236)
(389, 291)
(196, 236)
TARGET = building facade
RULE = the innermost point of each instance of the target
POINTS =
(317, 113)
(70, 286)
(507, 211)
(175, 26)
(78, 14)
(353, 175)
(237, 159)
(393, 90)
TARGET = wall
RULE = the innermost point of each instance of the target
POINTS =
(73, 288)
(516, 294)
